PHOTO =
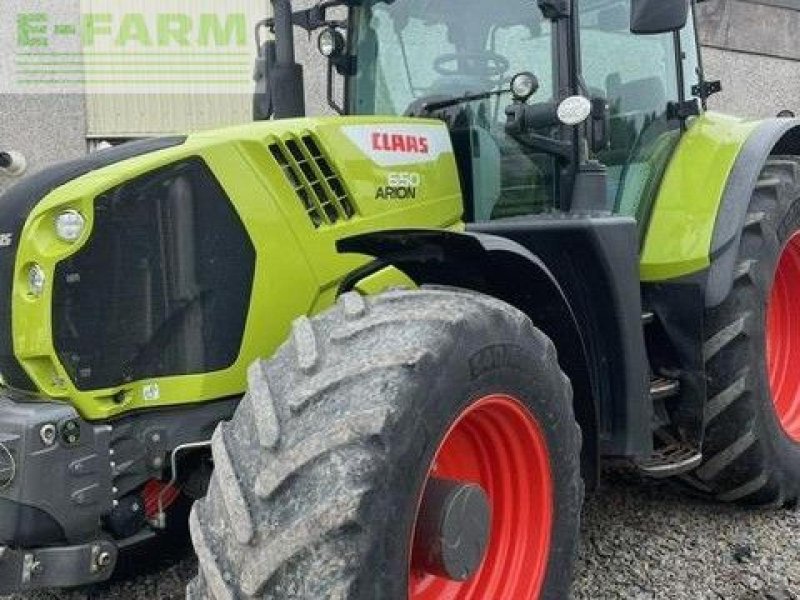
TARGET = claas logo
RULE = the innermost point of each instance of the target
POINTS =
(396, 142)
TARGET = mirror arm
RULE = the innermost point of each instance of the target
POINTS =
(330, 90)
(599, 124)
(562, 150)
(535, 141)
(316, 17)
(522, 118)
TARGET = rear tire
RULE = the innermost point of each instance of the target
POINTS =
(751, 454)
(318, 477)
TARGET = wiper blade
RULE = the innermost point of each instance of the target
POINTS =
(429, 107)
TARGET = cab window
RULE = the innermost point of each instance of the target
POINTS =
(638, 75)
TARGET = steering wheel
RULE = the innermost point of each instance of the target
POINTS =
(488, 63)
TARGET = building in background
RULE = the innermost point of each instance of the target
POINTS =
(751, 45)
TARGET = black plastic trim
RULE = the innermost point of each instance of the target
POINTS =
(679, 309)
(595, 262)
(28, 526)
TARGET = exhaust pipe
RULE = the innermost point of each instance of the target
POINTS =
(279, 78)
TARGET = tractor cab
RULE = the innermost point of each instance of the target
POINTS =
(605, 91)
(564, 117)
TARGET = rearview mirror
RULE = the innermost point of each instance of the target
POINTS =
(658, 16)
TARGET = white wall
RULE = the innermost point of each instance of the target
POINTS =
(755, 50)
(45, 128)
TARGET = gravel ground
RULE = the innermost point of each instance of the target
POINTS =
(645, 540)
(642, 540)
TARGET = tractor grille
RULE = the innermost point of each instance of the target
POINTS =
(311, 175)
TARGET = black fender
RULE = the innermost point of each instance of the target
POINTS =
(773, 137)
(595, 260)
(505, 269)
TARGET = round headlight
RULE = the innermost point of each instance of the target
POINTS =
(36, 280)
(70, 225)
(331, 43)
(524, 85)
(574, 110)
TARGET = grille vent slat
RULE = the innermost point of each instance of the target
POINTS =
(311, 175)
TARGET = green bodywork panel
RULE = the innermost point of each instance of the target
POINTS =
(681, 228)
(298, 269)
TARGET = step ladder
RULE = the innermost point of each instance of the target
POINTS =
(670, 460)
(672, 457)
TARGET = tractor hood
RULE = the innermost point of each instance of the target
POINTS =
(154, 273)
(15, 207)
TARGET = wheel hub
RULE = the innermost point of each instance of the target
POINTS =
(453, 528)
(485, 514)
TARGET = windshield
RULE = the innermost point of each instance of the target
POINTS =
(416, 50)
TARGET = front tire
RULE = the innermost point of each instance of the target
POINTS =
(752, 353)
(320, 476)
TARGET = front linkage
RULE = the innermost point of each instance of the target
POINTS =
(72, 493)
(56, 485)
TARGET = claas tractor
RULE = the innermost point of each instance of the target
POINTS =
(385, 352)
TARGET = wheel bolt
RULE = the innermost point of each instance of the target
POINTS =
(103, 559)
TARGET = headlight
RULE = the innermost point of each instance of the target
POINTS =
(36, 280)
(574, 110)
(524, 85)
(70, 225)
(331, 43)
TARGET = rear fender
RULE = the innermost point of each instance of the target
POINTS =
(774, 137)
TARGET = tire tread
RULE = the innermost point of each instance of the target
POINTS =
(742, 463)
(317, 416)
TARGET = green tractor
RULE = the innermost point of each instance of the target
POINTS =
(387, 351)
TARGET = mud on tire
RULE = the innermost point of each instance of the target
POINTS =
(318, 476)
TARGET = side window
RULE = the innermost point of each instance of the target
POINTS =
(517, 180)
(528, 47)
(638, 76)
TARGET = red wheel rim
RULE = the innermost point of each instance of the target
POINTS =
(783, 338)
(497, 444)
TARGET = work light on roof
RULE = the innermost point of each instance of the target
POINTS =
(331, 43)
(524, 85)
